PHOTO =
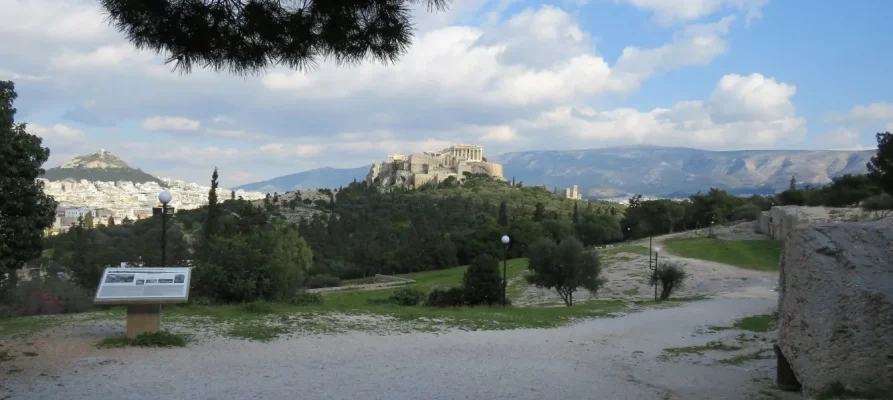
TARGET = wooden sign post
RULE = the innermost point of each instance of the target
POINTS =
(143, 291)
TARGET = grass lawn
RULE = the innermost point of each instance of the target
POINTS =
(760, 255)
(350, 310)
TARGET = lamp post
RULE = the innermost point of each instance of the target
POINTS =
(505, 279)
(656, 271)
(164, 197)
(712, 221)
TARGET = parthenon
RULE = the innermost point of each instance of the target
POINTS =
(468, 151)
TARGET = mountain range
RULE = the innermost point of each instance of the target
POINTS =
(642, 169)
(102, 166)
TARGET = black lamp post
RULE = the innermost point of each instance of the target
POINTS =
(656, 271)
(164, 197)
(505, 279)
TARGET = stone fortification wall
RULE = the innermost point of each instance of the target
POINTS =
(836, 304)
(420, 169)
(779, 221)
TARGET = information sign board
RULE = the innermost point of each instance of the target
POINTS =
(143, 285)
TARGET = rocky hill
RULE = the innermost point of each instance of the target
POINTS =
(648, 170)
(101, 166)
(677, 171)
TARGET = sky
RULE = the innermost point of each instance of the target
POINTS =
(509, 75)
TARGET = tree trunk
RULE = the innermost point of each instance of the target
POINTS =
(570, 296)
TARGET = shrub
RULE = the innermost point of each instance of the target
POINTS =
(322, 281)
(881, 205)
(156, 339)
(303, 298)
(453, 297)
(747, 212)
(401, 297)
(670, 276)
(407, 297)
(258, 307)
(482, 282)
(41, 297)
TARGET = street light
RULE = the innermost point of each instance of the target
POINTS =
(164, 197)
(505, 250)
(656, 271)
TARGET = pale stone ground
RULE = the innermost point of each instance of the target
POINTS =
(628, 273)
(608, 358)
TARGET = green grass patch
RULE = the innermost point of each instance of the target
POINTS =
(13, 371)
(23, 326)
(754, 323)
(5, 356)
(631, 292)
(29, 354)
(156, 339)
(760, 255)
(744, 358)
(699, 350)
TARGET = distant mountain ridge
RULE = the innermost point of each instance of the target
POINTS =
(639, 169)
(101, 166)
(680, 171)
(319, 178)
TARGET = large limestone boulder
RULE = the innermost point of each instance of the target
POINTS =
(836, 304)
(781, 220)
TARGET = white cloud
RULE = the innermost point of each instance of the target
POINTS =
(223, 119)
(864, 114)
(12, 76)
(673, 11)
(538, 57)
(696, 45)
(704, 124)
(57, 134)
(841, 139)
(53, 20)
(170, 124)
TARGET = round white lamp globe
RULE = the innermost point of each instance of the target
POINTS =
(505, 239)
(164, 197)
(657, 249)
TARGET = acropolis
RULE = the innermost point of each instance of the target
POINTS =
(415, 170)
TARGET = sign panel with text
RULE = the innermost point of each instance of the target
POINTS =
(143, 285)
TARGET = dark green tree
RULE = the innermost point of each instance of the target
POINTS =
(539, 212)
(248, 36)
(88, 221)
(503, 214)
(880, 168)
(482, 281)
(564, 267)
(576, 216)
(25, 210)
(232, 194)
(126, 221)
(212, 221)
(111, 222)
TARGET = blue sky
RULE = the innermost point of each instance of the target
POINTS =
(510, 75)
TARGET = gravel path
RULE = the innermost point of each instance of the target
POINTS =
(608, 358)
(597, 359)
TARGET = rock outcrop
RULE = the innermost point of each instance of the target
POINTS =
(416, 170)
(781, 220)
(836, 304)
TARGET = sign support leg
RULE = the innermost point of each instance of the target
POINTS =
(143, 318)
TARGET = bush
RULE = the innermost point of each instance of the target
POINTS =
(407, 297)
(41, 297)
(670, 276)
(881, 205)
(453, 297)
(303, 298)
(322, 281)
(747, 212)
(156, 339)
(401, 297)
(482, 282)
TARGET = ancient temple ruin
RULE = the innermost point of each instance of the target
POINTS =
(415, 170)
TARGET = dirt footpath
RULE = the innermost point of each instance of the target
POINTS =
(628, 273)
